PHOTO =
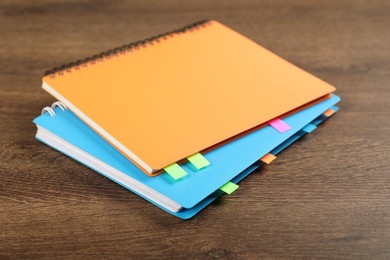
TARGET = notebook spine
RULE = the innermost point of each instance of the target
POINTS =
(121, 50)
(51, 110)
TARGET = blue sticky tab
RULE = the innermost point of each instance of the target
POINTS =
(309, 128)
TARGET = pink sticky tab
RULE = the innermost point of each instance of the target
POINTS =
(279, 125)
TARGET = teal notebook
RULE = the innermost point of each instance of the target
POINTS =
(183, 198)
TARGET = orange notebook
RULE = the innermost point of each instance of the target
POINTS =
(165, 98)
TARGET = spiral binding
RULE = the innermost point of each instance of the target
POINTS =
(121, 50)
(50, 109)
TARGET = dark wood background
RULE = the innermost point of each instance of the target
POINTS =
(327, 196)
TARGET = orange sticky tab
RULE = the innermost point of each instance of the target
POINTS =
(329, 112)
(268, 158)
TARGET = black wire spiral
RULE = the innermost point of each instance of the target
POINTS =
(121, 49)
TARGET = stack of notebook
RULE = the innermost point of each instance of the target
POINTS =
(182, 117)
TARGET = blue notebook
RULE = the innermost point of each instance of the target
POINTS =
(189, 213)
(183, 198)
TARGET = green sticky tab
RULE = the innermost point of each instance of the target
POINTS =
(175, 171)
(198, 161)
(229, 187)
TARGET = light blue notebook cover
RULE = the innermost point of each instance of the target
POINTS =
(226, 161)
(189, 213)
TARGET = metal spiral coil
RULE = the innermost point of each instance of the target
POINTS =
(51, 110)
(67, 68)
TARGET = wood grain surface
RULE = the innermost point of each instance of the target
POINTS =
(327, 196)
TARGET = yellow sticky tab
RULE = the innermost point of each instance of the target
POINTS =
(268, 158)
(198, 161)
(229, 187)
(329, 112)
(175, 171)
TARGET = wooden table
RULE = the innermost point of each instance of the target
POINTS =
(327, 196)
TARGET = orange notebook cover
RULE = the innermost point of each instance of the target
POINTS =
(163, 99)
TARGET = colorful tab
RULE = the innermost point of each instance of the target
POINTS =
(335, 108)
(279, 125)
(175, 171)
(229, 187)
(198, 161)
(268, 158)
(329, 112)
(309, 128)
